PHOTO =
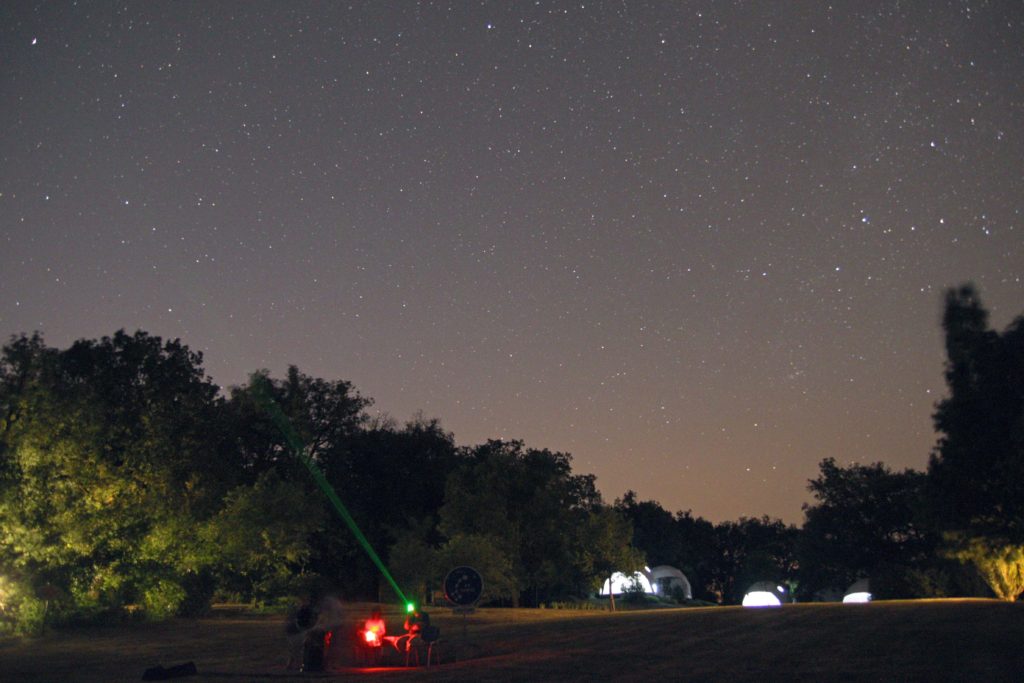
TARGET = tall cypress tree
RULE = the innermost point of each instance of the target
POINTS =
(976, 472)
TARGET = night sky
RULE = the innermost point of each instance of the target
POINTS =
(698, 245)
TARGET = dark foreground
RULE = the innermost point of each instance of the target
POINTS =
(942, 640)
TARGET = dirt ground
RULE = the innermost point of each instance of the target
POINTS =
(936, 640)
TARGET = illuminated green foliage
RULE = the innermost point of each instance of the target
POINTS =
(261, 535)
(102, 448)
(1000, 564)
(121, 487)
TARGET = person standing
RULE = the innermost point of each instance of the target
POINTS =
(301, 618)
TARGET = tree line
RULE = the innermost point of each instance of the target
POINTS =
(129, 483)
(956, 529)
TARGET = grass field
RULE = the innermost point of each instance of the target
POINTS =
(938, 640)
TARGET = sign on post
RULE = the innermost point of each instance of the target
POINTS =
(463, 586)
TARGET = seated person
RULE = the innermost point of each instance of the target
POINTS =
(418, 626)
(374, 629)
(416, 622)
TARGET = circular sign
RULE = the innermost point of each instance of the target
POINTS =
(463, 586)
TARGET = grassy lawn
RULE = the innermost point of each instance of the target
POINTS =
(938, 640)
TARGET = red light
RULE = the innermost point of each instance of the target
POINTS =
(371, 637)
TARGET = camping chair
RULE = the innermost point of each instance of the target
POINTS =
(429, 635)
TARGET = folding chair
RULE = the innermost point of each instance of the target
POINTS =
(429, 635)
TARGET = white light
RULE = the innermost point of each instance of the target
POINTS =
(620, 583)
(761, 599)
(857, 597)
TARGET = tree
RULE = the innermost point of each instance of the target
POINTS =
(260, 540)
(414, 561)
(866, 521)
(698, 540)
(1000, 564)
(393, 480)
(486, 554)
(976, 473)
(530, 501)
(654, 529)
(680, 540)
(106, 457)
(975, 479)
(396, 475)
(326, 417)
(606, 547)
(752, 550)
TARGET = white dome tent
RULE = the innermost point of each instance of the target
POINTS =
(859, 591)
(666, 580)
(662, 581)
(620, 583)
(764, 594)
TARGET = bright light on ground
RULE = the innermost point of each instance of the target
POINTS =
(857, 597)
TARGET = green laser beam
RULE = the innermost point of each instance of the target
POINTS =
(295, 443)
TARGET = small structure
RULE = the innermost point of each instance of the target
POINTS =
(764, 594)
(668, 581)
(663, 580)
(859, 591)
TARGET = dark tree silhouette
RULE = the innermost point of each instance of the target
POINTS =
(976, 473)
(654, 529)
(866, 522)
(680, 540)
(752, 550)
(531, 501)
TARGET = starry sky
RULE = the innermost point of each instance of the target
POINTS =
(698, 245)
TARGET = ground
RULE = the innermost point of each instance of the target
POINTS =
(937, 640)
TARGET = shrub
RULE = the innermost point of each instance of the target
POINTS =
(163, 599)
(574, 604)
(199, 588)
(21, 612)
(1000, 563)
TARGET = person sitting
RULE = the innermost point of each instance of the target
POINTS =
(416, 622)
(418, 625)
(374, 629)
(370, 637)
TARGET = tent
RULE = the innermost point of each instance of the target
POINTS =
(764, 594)
(666, 580)
(620, 583)
(859, 591)
(663, 580)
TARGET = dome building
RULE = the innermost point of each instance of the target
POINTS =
(663, 581)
